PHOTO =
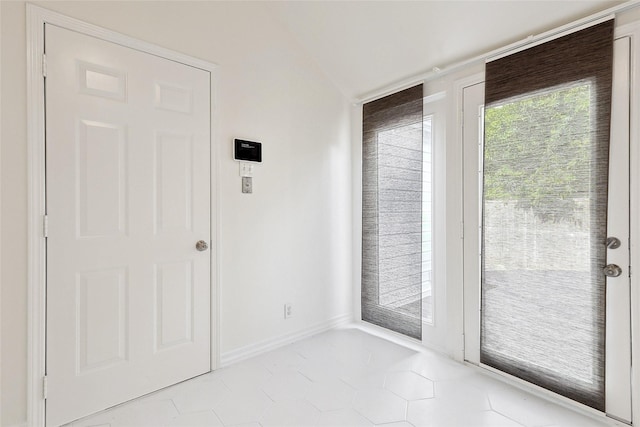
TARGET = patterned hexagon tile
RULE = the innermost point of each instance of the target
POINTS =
(409, 385)
(350, 349)
(287, 385)
(432, 413)
(439, 368)
(533, 411)
(459, 394)
(283, 359)
(403, 363)
(242, 407)
(143, 413)
(290, 413)
(567, 418)
(380, 406)
(346, 338)
(423, 412)
(386, 356)
(200, 395)
(137, 413)
(474, 419)
(244, 375)
(194, 419)
(321, 371)
(400, 424)
(354, 356)
(522, 407)
(343, 418)
(330, 395)
(363, 378)
(314, 349)
(330, 385)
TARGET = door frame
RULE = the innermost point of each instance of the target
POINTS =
(631, 30)
(434, 101)
(37, 17)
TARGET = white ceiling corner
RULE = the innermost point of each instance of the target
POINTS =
(363, 46)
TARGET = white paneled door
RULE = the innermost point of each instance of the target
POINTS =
(128, 198)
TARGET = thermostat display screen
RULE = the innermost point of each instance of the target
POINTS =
(247, 151)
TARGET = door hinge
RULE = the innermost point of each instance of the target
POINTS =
(45, 388)
(462, 230)
(44, 65)
(45, 226)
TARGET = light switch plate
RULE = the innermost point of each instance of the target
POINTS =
(247, 185)
(246, 169)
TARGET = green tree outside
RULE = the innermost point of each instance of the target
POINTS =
(537, 151)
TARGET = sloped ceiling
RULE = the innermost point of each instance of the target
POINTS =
(363, 46)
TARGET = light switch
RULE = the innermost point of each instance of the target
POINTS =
(246, 169)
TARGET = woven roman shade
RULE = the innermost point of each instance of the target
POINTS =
(546, 147)
(392, 212)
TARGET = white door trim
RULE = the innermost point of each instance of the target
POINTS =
(455, 274)
(36, 248)
(632, 30)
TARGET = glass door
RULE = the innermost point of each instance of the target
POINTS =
(546, 247)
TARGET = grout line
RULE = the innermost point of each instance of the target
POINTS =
(508, 417)
(175, 407)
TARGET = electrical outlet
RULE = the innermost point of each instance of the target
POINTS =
(288, 311)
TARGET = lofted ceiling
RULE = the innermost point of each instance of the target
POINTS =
(363, 46)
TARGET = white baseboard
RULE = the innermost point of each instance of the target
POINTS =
(242, 353)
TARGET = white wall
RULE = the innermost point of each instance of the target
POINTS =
(0, 218)
(13, 186)
(290, 241)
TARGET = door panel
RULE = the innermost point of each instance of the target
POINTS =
(617, 355)
(102, 319)
(173, 287)
(101, 179)
(128, 196)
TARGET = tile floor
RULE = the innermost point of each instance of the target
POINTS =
(343, 377)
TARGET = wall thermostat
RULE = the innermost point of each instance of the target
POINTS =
(247, 151)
